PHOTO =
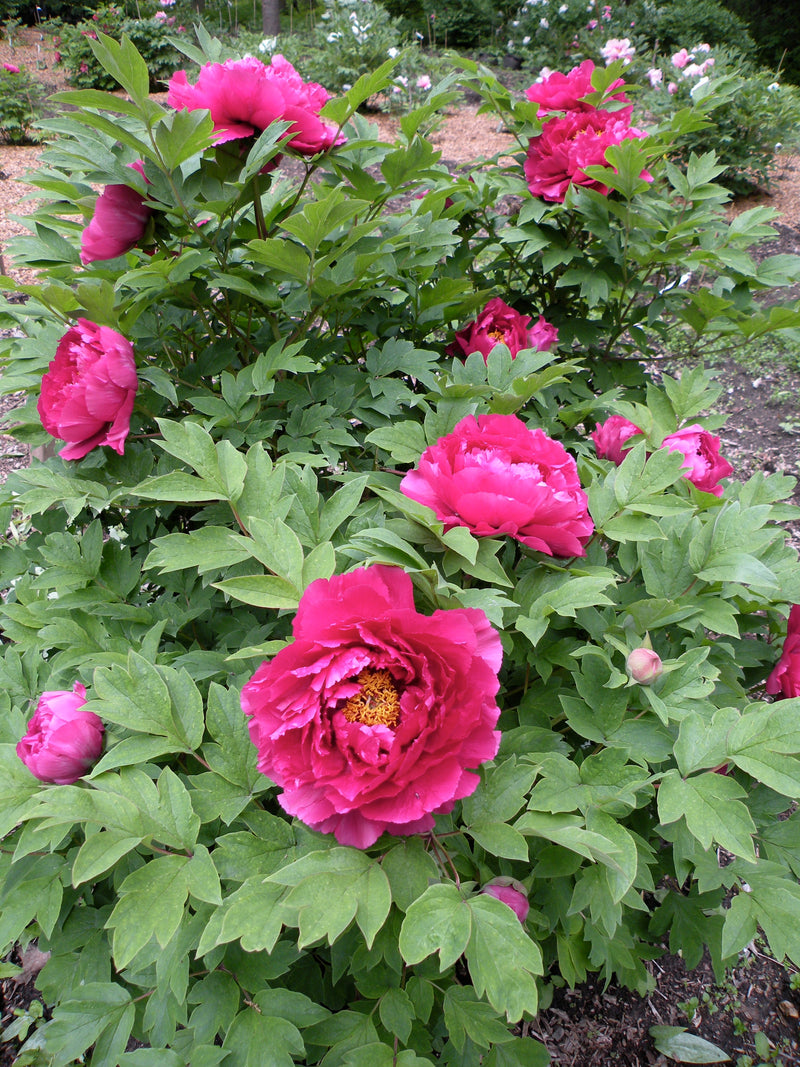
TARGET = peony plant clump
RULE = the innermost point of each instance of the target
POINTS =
(372, 646)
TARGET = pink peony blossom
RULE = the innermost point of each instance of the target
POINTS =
(566, 92)
(680, 59)
(244, 97)
(62, 741)
(376, 716)
(160, 16)
(11, 68)
(785, 677)
(497, 477)
(557, 157)
(618, 48)
(644, 666)
(423, 82)
(88, 390)
(655, 76)
(510, 892)
(610, 438)
(500, 323)
(118, 223)
(672, 88)
(703, 464)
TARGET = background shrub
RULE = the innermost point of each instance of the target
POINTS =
(151, 36)
(666, 26)
(20, 104)
(752, 116)
(775, 28)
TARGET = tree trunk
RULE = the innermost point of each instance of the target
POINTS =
(199, 6)
(271, 17)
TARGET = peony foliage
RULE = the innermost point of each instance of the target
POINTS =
(418, 680)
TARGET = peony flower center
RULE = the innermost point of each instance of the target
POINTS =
(378, 702)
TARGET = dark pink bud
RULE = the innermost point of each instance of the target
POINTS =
(511, 892)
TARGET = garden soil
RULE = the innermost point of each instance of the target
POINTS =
(591, 1026)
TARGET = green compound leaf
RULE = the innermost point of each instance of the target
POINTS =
(712, 806)
(329, 890)
(468, 1017)
(439, 921)
(502, 958)
(150, 904)
(97, 1012)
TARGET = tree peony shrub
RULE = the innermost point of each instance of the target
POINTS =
(409, 568)
(495, 476)
(376, 716)
(89, 389)
(500, 323)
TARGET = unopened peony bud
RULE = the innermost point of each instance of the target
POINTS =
(644, 666)
(511, 892)
(62, 741)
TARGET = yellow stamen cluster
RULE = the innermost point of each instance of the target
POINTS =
(377, 703)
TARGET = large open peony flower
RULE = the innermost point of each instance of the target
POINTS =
(376, 717)
(62, 741)
(118, 223)
(244, 97)
(500, 323)
(495, 476)
(566, 92)
(703, 464)
(557, 158)
(785, 676)
(88, 390)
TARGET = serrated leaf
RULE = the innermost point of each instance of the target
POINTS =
(712, 806)
(440, 921)
(502, 959)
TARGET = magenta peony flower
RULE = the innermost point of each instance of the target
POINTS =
(558, 156)
(566, 92)
(244, 97)
(376, 717)
(88, 390)
(644, 666)
(500, 323)
(118, 223)
(681, 58)
(610, 438)
(703, 464)
(61, 742)
(511, 892)
(495, 476)
(12, 68)
(785, 677)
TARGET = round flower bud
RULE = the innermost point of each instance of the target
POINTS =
(511, 892)
(644, 666)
